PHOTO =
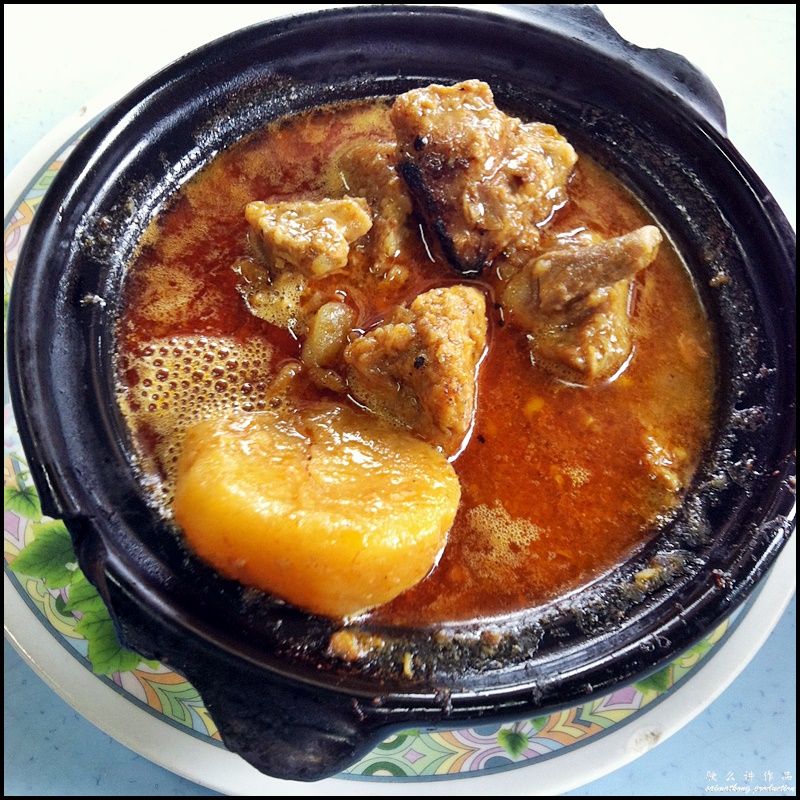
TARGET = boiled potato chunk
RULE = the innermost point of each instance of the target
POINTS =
(329, 508)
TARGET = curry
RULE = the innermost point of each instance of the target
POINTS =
(494, 306)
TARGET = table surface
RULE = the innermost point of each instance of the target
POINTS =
(57, 58)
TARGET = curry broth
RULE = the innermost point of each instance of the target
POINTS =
(559, 482)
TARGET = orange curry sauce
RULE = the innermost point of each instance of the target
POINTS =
(559, 483)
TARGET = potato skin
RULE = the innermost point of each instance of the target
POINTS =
(331, 509)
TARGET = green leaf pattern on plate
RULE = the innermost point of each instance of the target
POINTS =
(49, 556)
(513, 741)
(23, 500)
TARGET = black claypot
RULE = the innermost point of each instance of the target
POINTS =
(293, 711)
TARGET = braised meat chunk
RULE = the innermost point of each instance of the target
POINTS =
(419, 367)
(481, 180)
(368, 169)
(573, 301)
(579, 278)
(573, 279)
(293, 243)
(588, 350)
(313, 236)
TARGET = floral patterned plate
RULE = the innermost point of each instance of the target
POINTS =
(58, 622)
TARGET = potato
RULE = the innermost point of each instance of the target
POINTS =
(329, 508)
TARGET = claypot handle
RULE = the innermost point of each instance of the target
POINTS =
(672, 71)
(285, 729)
(283, 726)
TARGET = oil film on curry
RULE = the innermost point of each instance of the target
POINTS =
(413, 360)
